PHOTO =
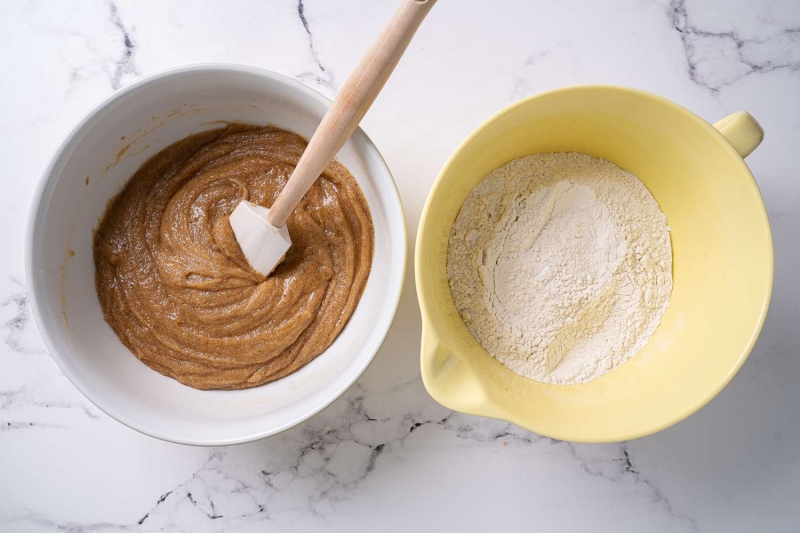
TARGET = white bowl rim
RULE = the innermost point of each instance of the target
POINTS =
(393, 292)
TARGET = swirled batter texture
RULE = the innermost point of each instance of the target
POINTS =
(173, 282)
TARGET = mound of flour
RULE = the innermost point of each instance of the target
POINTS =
(560, 265)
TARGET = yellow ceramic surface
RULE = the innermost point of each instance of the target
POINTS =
(722, 266)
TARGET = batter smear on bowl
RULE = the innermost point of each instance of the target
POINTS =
(561, 266)
(173, 282)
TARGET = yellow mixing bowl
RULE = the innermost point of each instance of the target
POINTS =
(722, 263)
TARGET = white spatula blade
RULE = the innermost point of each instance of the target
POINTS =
(263, 244)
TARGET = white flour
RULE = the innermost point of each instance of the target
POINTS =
(560, 265)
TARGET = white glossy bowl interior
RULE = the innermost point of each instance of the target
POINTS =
(146, 117)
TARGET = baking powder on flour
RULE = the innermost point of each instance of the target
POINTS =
(560, 265)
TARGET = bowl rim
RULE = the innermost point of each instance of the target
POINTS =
(421, 277)
(36, 218)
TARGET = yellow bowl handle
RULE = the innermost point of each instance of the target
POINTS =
(742, 131)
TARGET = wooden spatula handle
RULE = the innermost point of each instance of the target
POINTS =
(350, 105)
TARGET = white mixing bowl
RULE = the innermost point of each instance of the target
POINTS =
(93, 163)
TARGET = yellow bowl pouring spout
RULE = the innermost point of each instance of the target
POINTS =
(722, 263)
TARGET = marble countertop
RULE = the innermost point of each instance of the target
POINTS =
(385, 456)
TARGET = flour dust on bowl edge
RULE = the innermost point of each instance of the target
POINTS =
(94, 162)
(722, 263)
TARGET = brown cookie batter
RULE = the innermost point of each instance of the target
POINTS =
(176, 288)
